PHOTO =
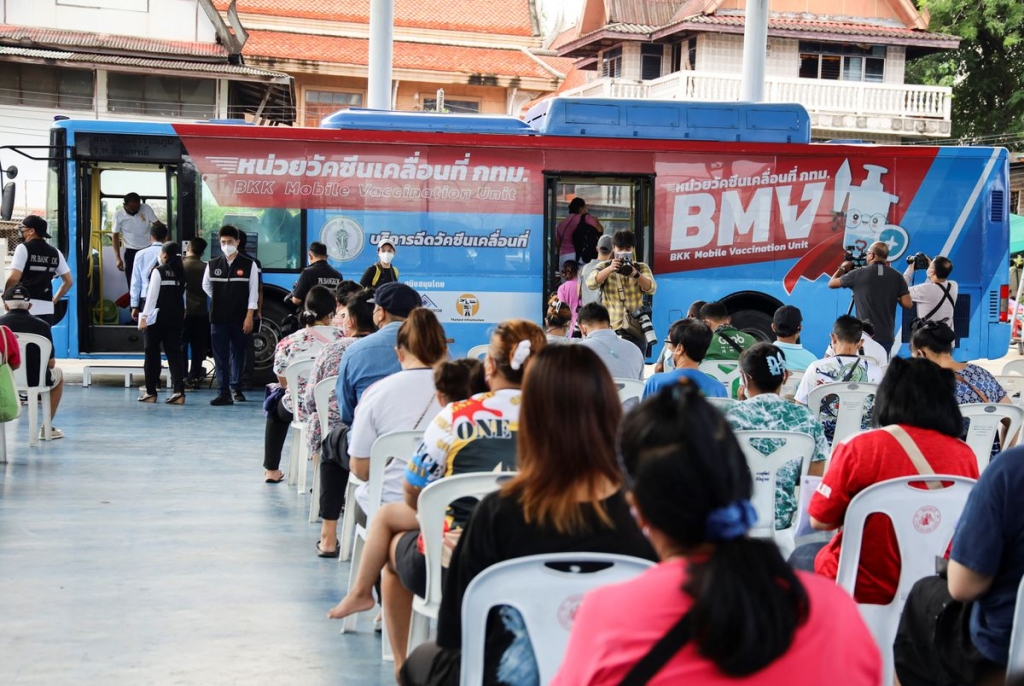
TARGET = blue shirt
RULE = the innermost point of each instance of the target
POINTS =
(798, 358)
(709, 386)
(366, 361)
(145, 260)
(989, 540)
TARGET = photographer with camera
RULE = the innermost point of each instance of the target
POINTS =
(877, 288)
(623, 284)
(936, 297)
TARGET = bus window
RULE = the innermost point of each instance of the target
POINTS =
(278, 231)
(150, 184)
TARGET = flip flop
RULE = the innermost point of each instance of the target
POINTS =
(334, 553)
(275, 481)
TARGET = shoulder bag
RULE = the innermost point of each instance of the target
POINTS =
(914, 453)
(10, 405)
(661, 653)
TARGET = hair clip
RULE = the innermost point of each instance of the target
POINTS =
(522, 352)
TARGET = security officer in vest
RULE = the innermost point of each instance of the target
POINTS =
(318, 273)
(35, 264)
(162, 320)
(232, 282)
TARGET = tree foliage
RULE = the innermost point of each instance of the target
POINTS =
(986, 72)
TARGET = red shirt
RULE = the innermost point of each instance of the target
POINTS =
(861, 461)
(617, 625)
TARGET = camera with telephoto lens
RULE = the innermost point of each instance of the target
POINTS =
(643, 315)
(920, 261)
(858, 256)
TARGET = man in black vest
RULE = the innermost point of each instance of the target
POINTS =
(232, 282)
(318, 273)
(35, 265)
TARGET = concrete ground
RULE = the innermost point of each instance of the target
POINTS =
(144, 548)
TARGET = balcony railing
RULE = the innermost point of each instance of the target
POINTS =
(834, 97)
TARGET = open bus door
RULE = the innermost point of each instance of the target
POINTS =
(618, 202)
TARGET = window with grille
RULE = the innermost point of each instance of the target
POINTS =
(650, 61)
(320, 104)
(611, 63)
(161, 96)
(38, 85)
(837, 62)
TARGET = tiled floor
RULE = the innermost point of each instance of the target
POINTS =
(144, 548)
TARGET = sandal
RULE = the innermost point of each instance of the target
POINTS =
(148, 398)
(176, 399)
(333, 553)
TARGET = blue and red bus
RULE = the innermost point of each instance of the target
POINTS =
(728, 201)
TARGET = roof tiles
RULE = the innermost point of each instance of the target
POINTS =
(24, 36)
(833, 27)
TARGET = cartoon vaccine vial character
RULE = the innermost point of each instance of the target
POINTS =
(867, 208)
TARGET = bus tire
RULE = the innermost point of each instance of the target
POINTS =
(266, 340)
(754, 322)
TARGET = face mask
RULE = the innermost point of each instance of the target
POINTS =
(229, 249)
(386, 257)
(623, 255)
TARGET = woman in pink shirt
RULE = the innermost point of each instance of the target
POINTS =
(569, 293)
(720, 608)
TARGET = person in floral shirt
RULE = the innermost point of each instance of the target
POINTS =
(763, 369)
(355, 317)
(304, 344)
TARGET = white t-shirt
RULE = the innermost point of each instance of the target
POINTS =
(403, 401)
(19, 261)
(835, 369)
(134, 229)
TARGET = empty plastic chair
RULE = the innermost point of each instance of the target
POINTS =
(726, 371)
(1013, 384)
(1013, 367)
(924, 520)
(984, 422)
(556, 584)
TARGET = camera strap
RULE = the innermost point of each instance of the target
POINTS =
(945, 296)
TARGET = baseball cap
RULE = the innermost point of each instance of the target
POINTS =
(36, 223)
(17, 292)
(396, 299)
(384, 242)
(604, 243)
(787, 320)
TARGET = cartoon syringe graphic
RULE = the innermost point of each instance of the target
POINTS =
(867, 208)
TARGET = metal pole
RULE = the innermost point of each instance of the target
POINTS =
(382, 25)
(755, 47)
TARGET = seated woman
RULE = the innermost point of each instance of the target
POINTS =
(557, 320)
(763, 370)
(747, 616)
(567, 497)
(329, 359)
(569, 293)
(453, 443)
(934, 341)
(304, 344)
(404, 401)
(917, 398)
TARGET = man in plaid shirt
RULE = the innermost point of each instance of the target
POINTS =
(623, 284)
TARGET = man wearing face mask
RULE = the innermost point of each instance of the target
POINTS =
(318, 273)
(232, 282)
(623, 283)
(381, 271)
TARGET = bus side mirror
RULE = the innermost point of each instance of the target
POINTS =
(7, 201)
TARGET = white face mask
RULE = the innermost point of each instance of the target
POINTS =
(228, 249)
(386, 257)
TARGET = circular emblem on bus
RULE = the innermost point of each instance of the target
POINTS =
(467, 305)
(344, 238)
(927, 518)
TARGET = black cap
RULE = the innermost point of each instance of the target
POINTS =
(36, 223)
(17, 292)
(396, 299)
(787, 320)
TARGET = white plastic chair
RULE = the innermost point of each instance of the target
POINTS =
(629, 389)
(396, 443)
(723, 404)
(35, 393)
(1015, 665)
(1013, 384)
(546, 590)
(852, 397)
(924, 521)
(764, 470)
(985, 420)
(1013, 367)
(788, 390)
(322, 394)
(478, 352)
(296, 375)
(431, 510)
(726, 371)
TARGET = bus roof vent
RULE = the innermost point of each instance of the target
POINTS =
(426, 122)
(998, 212)
(671, 120)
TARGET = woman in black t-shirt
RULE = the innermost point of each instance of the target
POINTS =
(567, 497)
(381, 271)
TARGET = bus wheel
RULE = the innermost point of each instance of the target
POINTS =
(266, 340)
(754, 322)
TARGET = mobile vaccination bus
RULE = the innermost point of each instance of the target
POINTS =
(728, 202)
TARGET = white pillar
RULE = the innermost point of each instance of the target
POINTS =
(755, 47)
(382, 26)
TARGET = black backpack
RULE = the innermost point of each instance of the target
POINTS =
(584, 240)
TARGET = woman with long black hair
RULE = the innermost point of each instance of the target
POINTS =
(720, 608)
(161, 320)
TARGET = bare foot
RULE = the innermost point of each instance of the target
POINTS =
(351, 604)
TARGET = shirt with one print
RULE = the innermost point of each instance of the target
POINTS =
(722, 349)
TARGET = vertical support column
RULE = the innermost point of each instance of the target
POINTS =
(755, 45)
(382, 27)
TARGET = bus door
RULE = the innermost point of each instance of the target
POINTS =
(106, 325)
(618, 202)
